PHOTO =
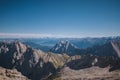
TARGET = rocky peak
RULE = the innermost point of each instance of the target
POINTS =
(20, 47)
(63, 47)
(32, 63)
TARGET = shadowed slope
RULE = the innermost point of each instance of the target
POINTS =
(29, 61)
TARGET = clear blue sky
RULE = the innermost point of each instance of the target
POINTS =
(84, 18)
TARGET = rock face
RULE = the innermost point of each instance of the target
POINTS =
(30, 62)
(89, 67)
(92, 73)
(64, 47)
(88, 61)
(7, 74)
(37, 65)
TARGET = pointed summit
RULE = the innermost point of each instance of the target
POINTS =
(64, 47)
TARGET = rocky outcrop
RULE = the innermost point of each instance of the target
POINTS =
(48, 65)
(7, 74)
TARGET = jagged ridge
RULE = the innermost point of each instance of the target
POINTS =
(32, 63)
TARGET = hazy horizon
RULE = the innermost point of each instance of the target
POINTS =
(21, 35)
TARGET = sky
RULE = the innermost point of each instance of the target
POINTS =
(59, 18)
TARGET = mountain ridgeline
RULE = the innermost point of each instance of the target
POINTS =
(38, 65)
(32, 63)
(111, 48)
(45, 44)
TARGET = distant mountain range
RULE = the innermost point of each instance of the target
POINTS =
(109, 49)
(47, 43)
(63, 59)
(38, 46)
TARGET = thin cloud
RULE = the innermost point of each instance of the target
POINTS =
(27, 35)
(20, 35)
